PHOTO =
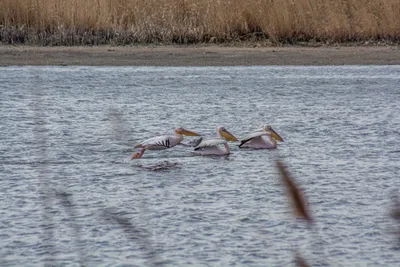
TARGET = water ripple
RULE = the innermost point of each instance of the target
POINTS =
(72, 196)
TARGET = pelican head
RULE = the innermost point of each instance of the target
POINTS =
(183, 131)
(275, 135)
(226, 135)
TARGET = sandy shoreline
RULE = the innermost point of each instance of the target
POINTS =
(198, 55)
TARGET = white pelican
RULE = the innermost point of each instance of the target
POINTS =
(257, 139)
(163, 142)
(210, 146)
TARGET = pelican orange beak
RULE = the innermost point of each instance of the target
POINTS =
(274, 134)
(186, 132)
(227, 135)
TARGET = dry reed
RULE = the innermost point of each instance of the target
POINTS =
(396, 209)
(296, 197)
(92, 22)
(300, 261)
(395, 214)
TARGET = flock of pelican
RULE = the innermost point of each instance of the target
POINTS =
(263, 138)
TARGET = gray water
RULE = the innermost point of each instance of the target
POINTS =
(70, 194)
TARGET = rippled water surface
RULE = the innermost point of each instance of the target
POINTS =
(70, 195)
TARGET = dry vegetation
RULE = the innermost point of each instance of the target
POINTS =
(76, 22)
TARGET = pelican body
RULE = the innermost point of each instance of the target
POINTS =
(211, 146)
(163, 142)
(261, 139)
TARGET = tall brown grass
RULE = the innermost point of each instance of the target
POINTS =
(67, 22)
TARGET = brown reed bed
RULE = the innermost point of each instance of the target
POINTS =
(121, 22)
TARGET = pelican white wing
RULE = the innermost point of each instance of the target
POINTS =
(258, 140)
(266, 138)
(210, 143)
(252, 135)
(160, 142)
(211, 147)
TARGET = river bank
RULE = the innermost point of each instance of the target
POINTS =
(198, 55)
